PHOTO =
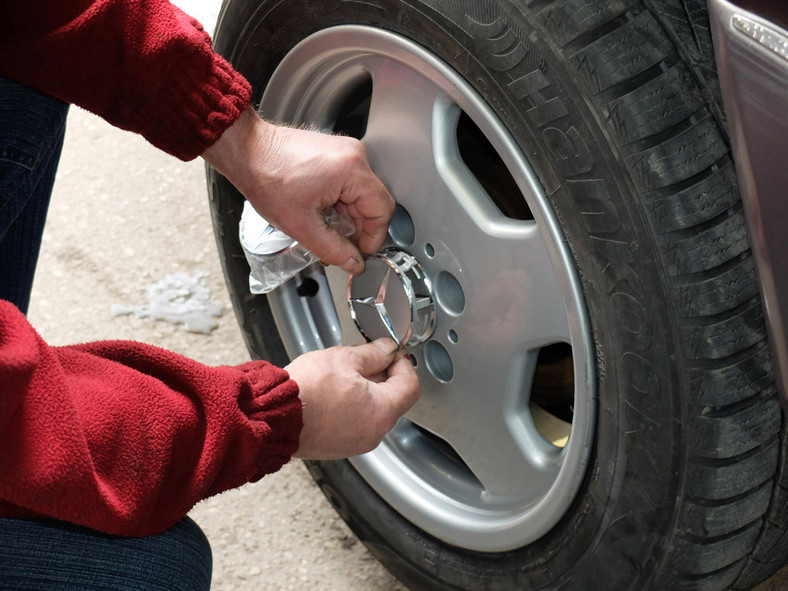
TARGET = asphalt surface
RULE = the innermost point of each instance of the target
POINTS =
(124, 218)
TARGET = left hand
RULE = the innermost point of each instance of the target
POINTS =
(352, 397)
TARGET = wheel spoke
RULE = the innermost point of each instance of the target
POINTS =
(401, 115)
(483, 414)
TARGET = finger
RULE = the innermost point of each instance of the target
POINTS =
(378, 377)
(373, 234)
(373, 206)
(403, 385)
(375, 357)
(334, 249)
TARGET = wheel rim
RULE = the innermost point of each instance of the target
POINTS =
(477, 462)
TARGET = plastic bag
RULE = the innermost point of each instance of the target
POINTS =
(272, 255)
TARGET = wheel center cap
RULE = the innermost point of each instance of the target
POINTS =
(392, 298)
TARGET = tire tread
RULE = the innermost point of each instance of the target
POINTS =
(667, 130)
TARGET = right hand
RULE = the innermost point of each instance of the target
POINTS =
(352, 397)
(293, 176)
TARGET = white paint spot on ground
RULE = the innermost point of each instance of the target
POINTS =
(180, 299)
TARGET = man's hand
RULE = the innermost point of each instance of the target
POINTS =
(352, 396)
(292, 176)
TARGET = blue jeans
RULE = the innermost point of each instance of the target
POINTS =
(32, 126)
(45, 554)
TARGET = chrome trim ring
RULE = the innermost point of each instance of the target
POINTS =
(392, 298)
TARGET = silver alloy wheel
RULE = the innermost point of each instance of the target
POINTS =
(473, 462)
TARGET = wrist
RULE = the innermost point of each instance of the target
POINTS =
(246, 141)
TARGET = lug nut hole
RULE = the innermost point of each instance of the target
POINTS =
(308, 288)
(401, 228)
(449, 293)
(438, 361)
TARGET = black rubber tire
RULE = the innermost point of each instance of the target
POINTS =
(687, 485)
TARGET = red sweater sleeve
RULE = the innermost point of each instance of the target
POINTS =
(143, 65)
(125, 438)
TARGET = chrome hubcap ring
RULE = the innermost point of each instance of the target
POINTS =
(392, 298)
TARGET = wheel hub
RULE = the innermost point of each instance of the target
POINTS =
(392, 298)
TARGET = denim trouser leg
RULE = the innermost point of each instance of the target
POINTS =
(32, 126)
(38, 555)
(43, 555)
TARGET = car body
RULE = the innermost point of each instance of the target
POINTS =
(752, 58)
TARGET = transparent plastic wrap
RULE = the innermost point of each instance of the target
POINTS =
(272, 255)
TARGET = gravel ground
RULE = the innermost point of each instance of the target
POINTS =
(123, 217)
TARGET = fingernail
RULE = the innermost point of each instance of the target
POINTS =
(388, 345)
(354, 265)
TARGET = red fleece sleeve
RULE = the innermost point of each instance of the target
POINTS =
(125, 438)
(143, 65)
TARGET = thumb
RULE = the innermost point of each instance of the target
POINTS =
(375, 357)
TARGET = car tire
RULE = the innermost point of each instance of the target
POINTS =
(678, 475)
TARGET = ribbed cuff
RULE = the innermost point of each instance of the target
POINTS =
(202, 97)
(275, 410)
